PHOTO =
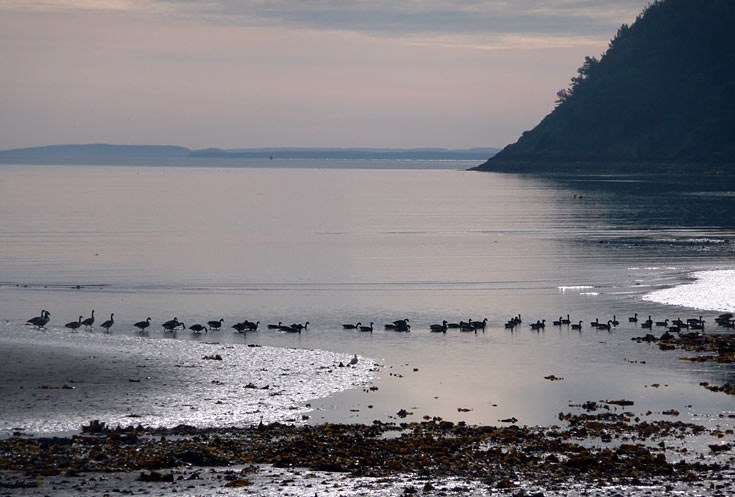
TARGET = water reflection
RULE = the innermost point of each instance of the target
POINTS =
(330, 246)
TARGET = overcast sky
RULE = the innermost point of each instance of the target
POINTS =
(311, 73)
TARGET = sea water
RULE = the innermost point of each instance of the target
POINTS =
(342, 245)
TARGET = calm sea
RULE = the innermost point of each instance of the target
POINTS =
(373, 242)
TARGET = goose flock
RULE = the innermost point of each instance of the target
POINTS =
(677, 325)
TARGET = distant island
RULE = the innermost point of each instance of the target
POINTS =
(113, 154)
(661, 99)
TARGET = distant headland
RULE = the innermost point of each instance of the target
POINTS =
(102, 153)
(661, 99)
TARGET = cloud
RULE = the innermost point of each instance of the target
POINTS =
(410, 18)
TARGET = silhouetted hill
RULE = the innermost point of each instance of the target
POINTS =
(661, 97)
(98, 152)
(155, 154)
(350, 153)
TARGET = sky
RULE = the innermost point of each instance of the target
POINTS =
(291, 73)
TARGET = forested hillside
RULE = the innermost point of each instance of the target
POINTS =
(662, 94)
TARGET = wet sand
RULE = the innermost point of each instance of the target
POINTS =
(601, 448)
(605, 451)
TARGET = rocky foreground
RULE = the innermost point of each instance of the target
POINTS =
(604, 446)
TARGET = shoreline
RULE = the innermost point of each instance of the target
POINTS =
(608, 450)
(603, 447)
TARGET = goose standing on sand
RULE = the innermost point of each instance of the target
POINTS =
(367, 328)
(215, 325)
(142, 325)
(73, 325)
(40, 321)
(108, 324)
(89, 321)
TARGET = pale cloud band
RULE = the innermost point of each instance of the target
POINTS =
(558, 18)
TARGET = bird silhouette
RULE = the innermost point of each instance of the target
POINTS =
(89, 321)
(142, 325)
(215, 325)
(198, 328)
(40, 321)
(108, 324)
(73, 325)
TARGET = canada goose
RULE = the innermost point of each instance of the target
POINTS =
(662, 323)
(353, 361)
(215, 325)
(108, 324)
(605, 326)
(290, 329)
(595, 323)
(439, 328)
(633, 319)
(452, 325)
(479, 325)
(89, 321)
(142, 325)
(73, 325)
(40, 321)
(577, 326)
(251, 326)
(351, 326)
(513, 322)
(538, 325)
(557, 323)
(274, 326)
(466, 326)
(198, 328)
(402, 326)
(401, 323)
(615, 321)
(566, 321)
(239, 327)
(367, 328)
(300, 327)
(171, 324)
(697, 325)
